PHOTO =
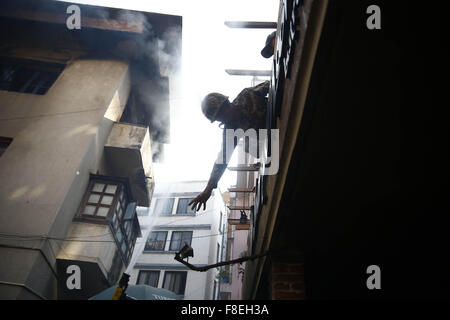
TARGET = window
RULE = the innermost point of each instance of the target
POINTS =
(108, 201)
(150, 278)
(101, 198)
(163, 206)
(220, 221)
(179, 238)
(183, 207)
(124, 229)
(4, 143)
(28, 76)
(156, 241)
(175, 281)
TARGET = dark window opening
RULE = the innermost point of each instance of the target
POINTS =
(175, 281)
(28, 76)
(4, 143)
(150, 278)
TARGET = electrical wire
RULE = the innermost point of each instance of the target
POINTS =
(20, 237)
(51, 114)
(33, 238)
(42, 237)
(177, 220)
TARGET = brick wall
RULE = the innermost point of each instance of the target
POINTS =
(288, 281)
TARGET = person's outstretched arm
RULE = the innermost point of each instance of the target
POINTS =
(217, 171)
(216, 174)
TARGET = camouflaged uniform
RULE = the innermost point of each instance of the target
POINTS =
(252, 103)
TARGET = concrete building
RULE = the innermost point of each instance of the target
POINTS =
(77, 135)
(166, 226)
(363, 144)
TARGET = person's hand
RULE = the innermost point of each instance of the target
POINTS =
(201, 199)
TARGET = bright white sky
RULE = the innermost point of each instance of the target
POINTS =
(209, 47)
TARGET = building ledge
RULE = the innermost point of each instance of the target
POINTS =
(184, 226)
(150, 266)
(128, 154)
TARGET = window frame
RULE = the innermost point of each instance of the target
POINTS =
(184, 280)
(187, 207)
(117, 197)
(127, 229)
(164, 245)
(141, 272)
(42, 75)
(128, 239)
(159, 200)
(181, 240)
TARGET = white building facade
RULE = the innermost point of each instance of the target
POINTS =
(166, 226)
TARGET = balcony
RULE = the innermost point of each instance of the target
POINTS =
(128, 154)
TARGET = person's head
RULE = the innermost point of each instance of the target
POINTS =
(217, 107)
(269, 48)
